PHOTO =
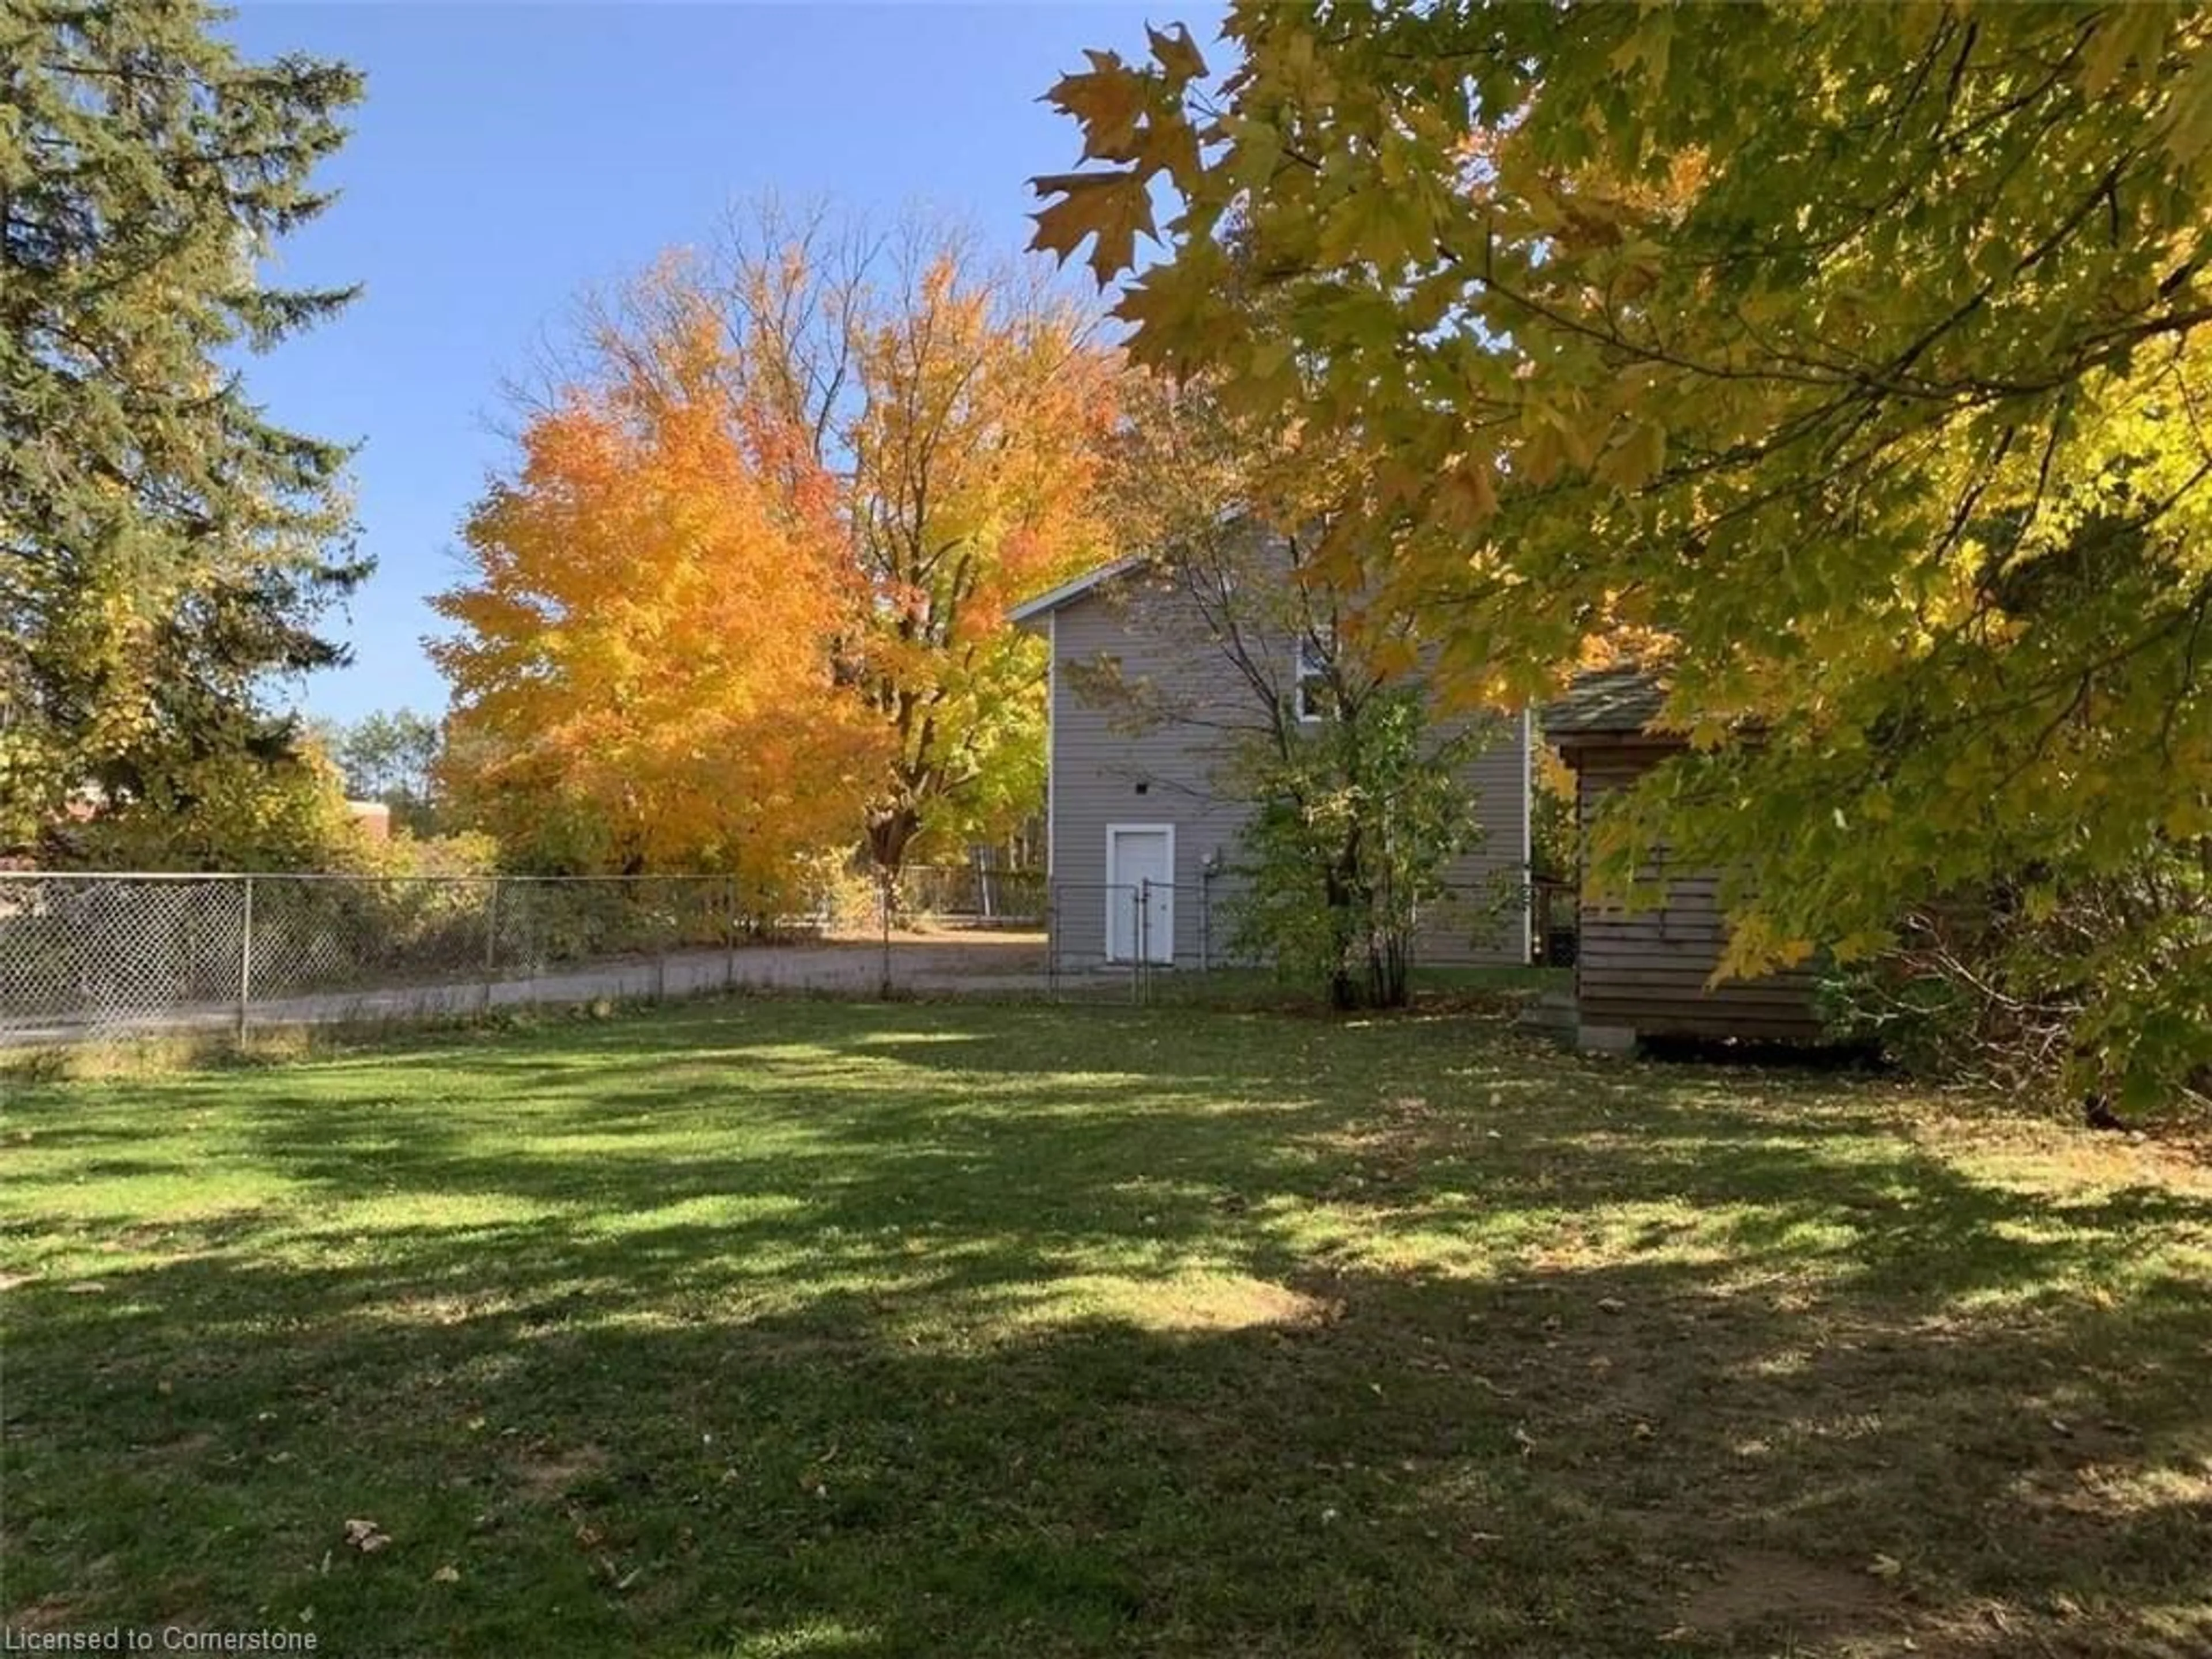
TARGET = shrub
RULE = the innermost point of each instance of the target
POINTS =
(1357, 821)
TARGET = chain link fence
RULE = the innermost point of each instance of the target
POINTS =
(976, 895)
(106, 955)
(1136, 933)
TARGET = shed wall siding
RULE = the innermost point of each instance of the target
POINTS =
(1647, 969)
(1097, 761)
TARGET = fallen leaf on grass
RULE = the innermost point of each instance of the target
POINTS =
(447, 1574)
(1885, 1566)
(367, 1536)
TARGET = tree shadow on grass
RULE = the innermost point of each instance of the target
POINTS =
(1552, 1460)
(1196, 1145)
(860, 1337)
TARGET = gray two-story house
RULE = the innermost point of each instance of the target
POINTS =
(1147, 701)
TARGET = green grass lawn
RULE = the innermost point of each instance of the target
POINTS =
(805, 1328)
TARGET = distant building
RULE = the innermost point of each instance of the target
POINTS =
(371, 817)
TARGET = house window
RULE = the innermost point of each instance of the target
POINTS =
(1312, 695)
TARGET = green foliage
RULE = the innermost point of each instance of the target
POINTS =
(464, 853)
(164, 550)
(1919, 1018)
(2038, 981)
(1849, 358)
(228, 810)
(1554, 831)
(1357, 817)
(392, 758)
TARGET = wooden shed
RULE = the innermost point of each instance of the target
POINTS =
(1643, 972)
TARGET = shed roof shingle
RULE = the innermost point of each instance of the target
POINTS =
(1605, 700)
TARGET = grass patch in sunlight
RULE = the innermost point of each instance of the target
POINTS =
(796, 1328)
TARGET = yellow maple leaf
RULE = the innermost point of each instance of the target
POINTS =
(1110, 209)
(1106, 101)
(1176, 53)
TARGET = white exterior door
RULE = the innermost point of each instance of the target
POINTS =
(1140, 878)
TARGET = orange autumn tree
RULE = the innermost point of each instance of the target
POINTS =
(953, 411)
(642, 679)
(819, 463)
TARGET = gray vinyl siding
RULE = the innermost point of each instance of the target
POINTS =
(1484, 920)
(1098, 764)
(1646, 970)
(1099, 758)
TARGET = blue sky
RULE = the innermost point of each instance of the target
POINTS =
(510, 155)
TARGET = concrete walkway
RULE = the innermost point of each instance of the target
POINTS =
(978, 963)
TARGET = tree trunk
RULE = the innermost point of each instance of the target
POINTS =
(891, 830)
(1343, 984)
(1388, 970)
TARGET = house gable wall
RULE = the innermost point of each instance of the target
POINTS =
(1108, 769)
(1104, 771)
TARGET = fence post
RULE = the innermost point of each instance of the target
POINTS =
(491, 941)
(1205, 922)
(660, 948)
(729, 933)
(1142, 898)
(245, 960)
(1051, 940)
(884, 917)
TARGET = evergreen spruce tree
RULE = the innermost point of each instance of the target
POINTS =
(165, 551)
